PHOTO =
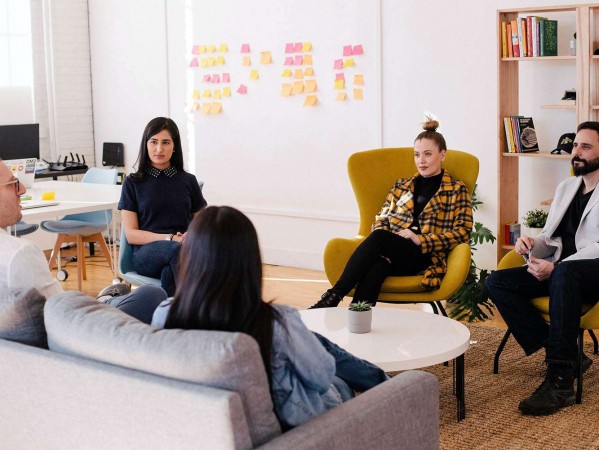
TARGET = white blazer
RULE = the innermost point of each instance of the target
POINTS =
(587, 235)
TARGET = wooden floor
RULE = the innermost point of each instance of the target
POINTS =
(300, 288)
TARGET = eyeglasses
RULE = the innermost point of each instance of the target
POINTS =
(15, 182)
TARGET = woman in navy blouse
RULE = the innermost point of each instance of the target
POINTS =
(158, 202)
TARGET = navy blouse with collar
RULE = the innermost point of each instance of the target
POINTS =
(164, 200)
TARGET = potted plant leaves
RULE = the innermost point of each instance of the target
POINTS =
(535, 221)
(359, 317)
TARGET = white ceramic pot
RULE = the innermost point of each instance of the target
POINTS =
(359, 321)
(534, 231)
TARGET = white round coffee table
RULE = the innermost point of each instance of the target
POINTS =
(400, 339)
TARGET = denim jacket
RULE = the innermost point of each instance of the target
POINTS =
(301, 369)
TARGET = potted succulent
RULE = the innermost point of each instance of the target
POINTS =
(359, 317)
(535, 221)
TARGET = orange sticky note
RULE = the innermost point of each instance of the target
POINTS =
(220, 60)
(308, 72)
(358, 94)
(265, 57)
(207, 93)
(206, 108)
(340, 83)
(311, 85)
(311, 100)
(286, 89)
(216, 108)
(226, 92)
(348, 62)
(254, 75)
(341, 96)
(223, 48)
(298, 87)
(299, 74)
(195, 106)
(216, 94)
(359, 79)
(286, 73)
(247, 61)
(306, 47)
(307, 60)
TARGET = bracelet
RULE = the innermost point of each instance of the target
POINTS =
(169, 237)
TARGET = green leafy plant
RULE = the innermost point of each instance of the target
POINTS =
(535, 218)
(360, 306)
(471, 302)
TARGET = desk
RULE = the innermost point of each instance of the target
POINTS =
(73, 198)
(54, 174)
(400, 339)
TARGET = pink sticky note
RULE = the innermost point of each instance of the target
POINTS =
(288, 61)
(289, 48)
(347, 50)
(298, 60)
(193, 63)
(242, 89)
(207, 79)
(245, 48)
(297, 48)
(358, 50)
(339, 76)
(194, 49)
(216, 78)
(338, 64)
(226, 78)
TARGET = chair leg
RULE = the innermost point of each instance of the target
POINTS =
(56, 251)
(105, 250)
(595, 343)
(434, 306)
(440, 305)
(499, 350)
(80, 262)
(579, 382)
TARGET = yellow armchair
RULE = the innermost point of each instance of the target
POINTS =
(372, 173)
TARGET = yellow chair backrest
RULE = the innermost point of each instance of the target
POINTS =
(373, 172)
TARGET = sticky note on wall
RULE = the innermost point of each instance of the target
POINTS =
(254, 75)
(286, 89)
(311, 100)
(265, 57)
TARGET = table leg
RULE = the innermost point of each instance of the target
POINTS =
(460, 387)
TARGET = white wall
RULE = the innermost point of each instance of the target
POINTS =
(435, 57)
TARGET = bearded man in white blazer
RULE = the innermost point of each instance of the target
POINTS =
(562, 262)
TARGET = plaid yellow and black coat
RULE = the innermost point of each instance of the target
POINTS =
(445, 222)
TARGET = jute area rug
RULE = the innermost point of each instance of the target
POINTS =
(493, 420)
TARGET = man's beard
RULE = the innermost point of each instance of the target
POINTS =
(587, 166)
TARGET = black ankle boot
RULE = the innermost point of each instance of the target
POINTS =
(556, 392)
(328, 300)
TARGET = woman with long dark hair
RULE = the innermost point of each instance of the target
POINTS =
(219, 287)
(158, 202)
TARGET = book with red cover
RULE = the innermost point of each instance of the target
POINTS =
(515, 44)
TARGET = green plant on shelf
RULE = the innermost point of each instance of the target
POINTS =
(535, 218)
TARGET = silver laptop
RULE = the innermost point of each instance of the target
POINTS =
(28, 204)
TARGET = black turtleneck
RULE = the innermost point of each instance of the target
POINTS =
(424, 189)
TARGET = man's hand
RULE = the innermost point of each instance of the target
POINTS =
(539, 268)
(524, 245)
(409, 234)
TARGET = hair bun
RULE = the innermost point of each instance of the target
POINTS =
(430, 125)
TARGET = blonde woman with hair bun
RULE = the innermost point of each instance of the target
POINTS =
(421, 220)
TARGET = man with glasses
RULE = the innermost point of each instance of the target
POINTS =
(23, 265)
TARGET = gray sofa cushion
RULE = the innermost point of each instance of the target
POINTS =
(22, 317)
(79, 325)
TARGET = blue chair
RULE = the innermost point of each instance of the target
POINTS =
(126, 264)
(84, 227)
(23, 228)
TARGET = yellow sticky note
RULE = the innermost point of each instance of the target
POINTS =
(265, 57)
(311, 100)
(216, 108)
(206, 108)
(286, 89)
(211, 48)
(359, 79)
(226, 92)
(204, 62)
(211, 62)
(195, 106)
(341, 96)
(310, 85)
(348, 62)
(220, 60)
(201, 49)
(247, 61)
(286, 73)
(224, 48)
(299, 74)
(340, 84)
(306, 47)
(307, 60)
(254, 75)
(196, 94)
(207, 93)
(216, 94)
(308, 72)
(358, 94)
(298, 87)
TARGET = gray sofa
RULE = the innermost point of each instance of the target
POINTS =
(111, 382)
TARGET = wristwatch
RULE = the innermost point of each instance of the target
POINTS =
(169, 237)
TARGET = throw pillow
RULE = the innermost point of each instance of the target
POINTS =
(22, 317)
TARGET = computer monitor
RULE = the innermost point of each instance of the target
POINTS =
(20, 141)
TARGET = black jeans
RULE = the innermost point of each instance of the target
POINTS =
(571, 284)
(381, 254)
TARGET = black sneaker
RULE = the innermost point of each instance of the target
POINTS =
(328, 300)
(114, 290)
(556, 392)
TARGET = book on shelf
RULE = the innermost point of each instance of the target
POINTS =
(509, 140)
(523, 36)
(510, 51)
(516, 132)
(515, 44)
(504, 53)
(528, 135)
(548, 38)
(511, 233)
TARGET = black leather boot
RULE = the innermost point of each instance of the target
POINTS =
(328, 300)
